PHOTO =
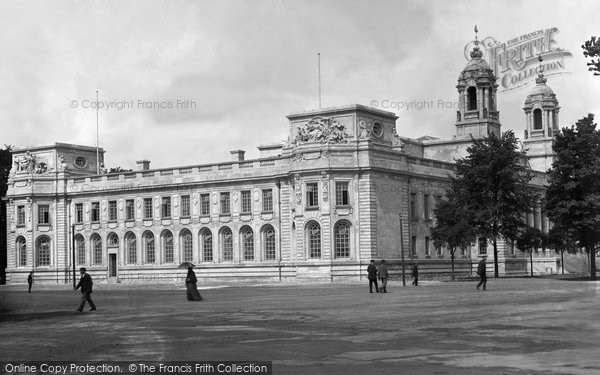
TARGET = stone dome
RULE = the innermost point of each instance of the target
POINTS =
(476, 67)
(541, 88)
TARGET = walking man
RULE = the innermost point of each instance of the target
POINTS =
(372, 272)
(383, 275)
(30, 280)
(415, 275)
(86, 290)
(481, 272)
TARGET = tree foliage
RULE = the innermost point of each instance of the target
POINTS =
(5, 165)
(529, 240)
(573, 194)
(591, 50)
(492, 185)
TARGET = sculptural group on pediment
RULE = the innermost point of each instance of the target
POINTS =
(28, 164)
(321, 129)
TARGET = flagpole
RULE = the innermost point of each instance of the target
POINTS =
(97, 138)
(319, 68)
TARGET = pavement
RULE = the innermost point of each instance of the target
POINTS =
(516, 326)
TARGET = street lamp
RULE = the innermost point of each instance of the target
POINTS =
(402, 252)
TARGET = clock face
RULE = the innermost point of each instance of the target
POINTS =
(377, 129)
(80, 162)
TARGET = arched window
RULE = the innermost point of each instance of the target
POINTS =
(247, 241)
(43, 251)
(207, 245)
(342, 239)
(227, 244)
(314, 240)
(96, 243)
(537, 119)
(471, 99)
(148, 247)
(131, 248)
(268, 238)
(113, 240)
(167, 246)
(187, 249)
(80, 250)
(21, 252)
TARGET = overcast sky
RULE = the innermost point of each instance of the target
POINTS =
(245, 65)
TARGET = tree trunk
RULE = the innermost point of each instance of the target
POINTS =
(495, 259)
(592, 255)
(531, 262)
(452, 259)
(562, 261)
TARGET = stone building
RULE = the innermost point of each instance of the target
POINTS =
(343, 189)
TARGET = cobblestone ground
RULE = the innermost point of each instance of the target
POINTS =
(517, 326)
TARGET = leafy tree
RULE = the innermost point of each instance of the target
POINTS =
(493, 182)
(561, 240)
(573, 195)
(591, 49)
(530, 239)
(452, 226)
(5, 165)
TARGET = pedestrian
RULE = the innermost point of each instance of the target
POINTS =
(372, 272)
(383, 275)
(190, 283)
(30, 280)
(415, 275)
(481, 272)
(86, 290)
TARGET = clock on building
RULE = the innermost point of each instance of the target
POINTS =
(80, 162)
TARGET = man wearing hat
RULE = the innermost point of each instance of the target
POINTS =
(86, 290)
(481, 272)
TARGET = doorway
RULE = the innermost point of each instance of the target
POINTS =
(112, 265)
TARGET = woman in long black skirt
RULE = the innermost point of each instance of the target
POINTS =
(190, 283)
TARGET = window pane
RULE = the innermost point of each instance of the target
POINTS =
(312, 195)
(187, 247)
(149, 248)
(246, 202)
(207, 246)
(267, 199)
(269, 243)
(131, 249)
(205, 204)
(112, 210)
(225, 207)
(314, 241)
(95, 211)
(147, 208)
(227, 241)
(168, 247)
(341, 193)
(185, 205)
(342, 241)
(166, 208)
(97, 249)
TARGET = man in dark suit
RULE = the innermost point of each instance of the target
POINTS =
(481, 272)
(383, 275)
(86, 290)
(372, 272)
(30, 280)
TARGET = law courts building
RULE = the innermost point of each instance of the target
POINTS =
(343, 189)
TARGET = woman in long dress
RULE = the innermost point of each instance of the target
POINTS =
(190, 283)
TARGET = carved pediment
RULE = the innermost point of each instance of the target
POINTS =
(321, 129)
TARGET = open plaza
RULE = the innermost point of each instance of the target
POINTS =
(517, 326)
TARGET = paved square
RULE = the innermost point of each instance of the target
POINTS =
(518, 326)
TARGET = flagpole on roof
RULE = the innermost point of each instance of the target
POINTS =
(97, 138)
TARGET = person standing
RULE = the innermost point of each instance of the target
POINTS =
(372, 272)
(86, 290)
(481, 268)
(415, 275)
(190, 284)
(383, 275)
(30, 280)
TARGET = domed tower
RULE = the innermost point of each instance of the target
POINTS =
(477, 115)
(541, 112)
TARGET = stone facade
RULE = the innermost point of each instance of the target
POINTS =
(343, 189)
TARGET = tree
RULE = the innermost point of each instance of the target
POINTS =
(530, 239)
(561, 240)
(5, 165)
(573, 193)
(493, 182)
(591, 49)
(452, 226)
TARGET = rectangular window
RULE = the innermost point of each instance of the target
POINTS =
(79, 212)
(147, 208)
(129, 209)
(312, 195)
(204, 204)
(413, 206)
(426, 207)
(165, 208)
(95, 212)
(267, 200)
(20, 216)
(413, 246)
(112, 210)
(482, 246)
(440, 251)
(43, 214)
(427, 249)
(225, 204)
(341, 194)
(246, 202)
(185, 206)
